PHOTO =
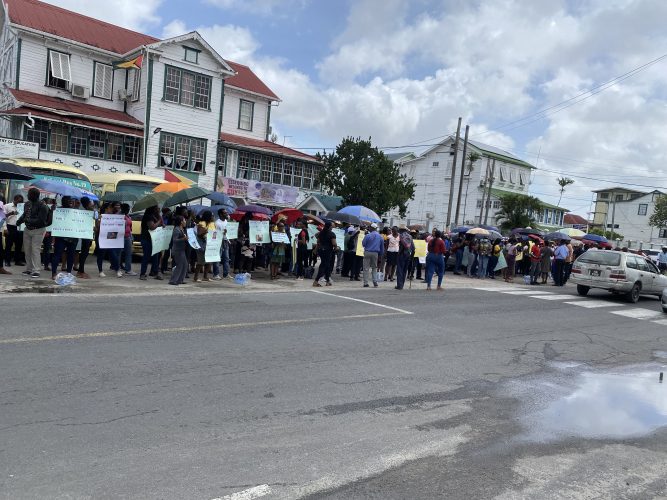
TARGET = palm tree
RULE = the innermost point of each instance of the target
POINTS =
(473, 156)
(517, 210)
(563, 182)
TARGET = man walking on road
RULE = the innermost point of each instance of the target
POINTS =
(406, 248)
(373, 248)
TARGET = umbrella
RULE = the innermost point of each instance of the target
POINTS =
(557, 236)
(237, 216)
(527, 230)
(197, 209)
(461, 229)
(343, 217)
(364, 214)
(595, 238)
(9, 170)
(490, 228)
(290, 215)
(185, 195)
(478, 231)
(63, 189)
(494, 235)
(170, 187)
(255, 209)
(119, 196)
(572, 232)
(222, 199)
(150, 200)
(416, 227)
(314, 218)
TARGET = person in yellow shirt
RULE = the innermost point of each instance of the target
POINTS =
(205, 225)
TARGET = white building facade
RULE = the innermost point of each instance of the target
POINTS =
(105, 99)
(630, 218)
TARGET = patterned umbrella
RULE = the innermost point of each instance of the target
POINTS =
(572, 232)
(365, 214)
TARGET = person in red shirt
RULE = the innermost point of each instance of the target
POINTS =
(535, 262)
(435, 260)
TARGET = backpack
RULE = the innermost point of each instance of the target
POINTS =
(406, 242)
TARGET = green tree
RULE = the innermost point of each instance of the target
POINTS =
(517, 210)
(659, 216)
(362, 175)
(563, 182)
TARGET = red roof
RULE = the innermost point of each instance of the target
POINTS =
(73, 111)
(574, 219)
(247, 80)
(48, 18)
(266, 146)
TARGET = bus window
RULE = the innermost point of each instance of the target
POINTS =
(137, 188)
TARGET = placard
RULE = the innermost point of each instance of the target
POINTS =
(160, 238)
(312, 233)
(213, 245)
(192, 238)
(360, 247)
(232, 230)
(112, 231)
(339, 233)
(259, 232)
(420, 248)
(278, 237)
(73, 223)
(19, 214)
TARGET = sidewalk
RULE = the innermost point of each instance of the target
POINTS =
(131, 285)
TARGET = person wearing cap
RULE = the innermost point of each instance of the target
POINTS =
(373, 248)
(662, 260)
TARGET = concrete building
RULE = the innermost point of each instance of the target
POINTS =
(605, 200)
(106, 99)
(631, 219)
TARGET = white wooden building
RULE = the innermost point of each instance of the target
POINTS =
(630, 218)
(106, 99)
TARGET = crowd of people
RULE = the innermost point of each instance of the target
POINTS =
(366, 253)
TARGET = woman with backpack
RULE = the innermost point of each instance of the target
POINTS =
(435, 260)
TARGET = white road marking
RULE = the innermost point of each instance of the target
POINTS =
(527, 292)
(661, 322)
(495, 288)
(249, 494)
(363, 301)
(639, 313)
(555, 297)
(594, 304)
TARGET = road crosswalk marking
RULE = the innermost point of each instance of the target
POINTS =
(594, 304)
(555, 297)
(528, 292)
(661, 321)
(639, 313)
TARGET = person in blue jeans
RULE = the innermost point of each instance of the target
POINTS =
(406, 249)
(61, 245)
(150, 221)
(435, 260)
(128, 242)
(483, 253)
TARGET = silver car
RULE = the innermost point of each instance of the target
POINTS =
(618, 272)
(663, 300)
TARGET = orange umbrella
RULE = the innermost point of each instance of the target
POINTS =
(171, 187)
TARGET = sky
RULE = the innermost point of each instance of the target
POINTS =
(401, 72)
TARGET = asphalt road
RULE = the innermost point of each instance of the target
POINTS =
(394, 394)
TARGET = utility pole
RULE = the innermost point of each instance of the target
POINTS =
(486, 181)
(463, 170)
(451, 186)
(488, 197)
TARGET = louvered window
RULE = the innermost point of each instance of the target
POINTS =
(103, 81)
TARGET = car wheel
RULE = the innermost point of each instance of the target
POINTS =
(583, 290)
(633, 295)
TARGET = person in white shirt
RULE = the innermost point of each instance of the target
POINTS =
(221, 225)
(3, 219)
(662, 260)
(14, 237)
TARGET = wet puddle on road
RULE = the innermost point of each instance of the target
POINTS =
(576, 401)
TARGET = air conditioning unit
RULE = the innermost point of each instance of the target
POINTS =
(123, 94)
(80, 91)
(429, 215)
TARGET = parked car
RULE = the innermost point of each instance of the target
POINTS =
(663, 300)
(652, 254)
(617, 272)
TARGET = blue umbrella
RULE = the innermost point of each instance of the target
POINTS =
(221, 199)
(197, 209)
(461, 229)
(490, 228)
(63, 189)
(557, 237)
(595, 237)
(365, 214)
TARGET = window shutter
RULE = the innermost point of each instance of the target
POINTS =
(56, 67)
(136, 84)
(103, 80)
(65, 67)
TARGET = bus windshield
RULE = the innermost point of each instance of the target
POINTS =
(137, 188)
(73, 179)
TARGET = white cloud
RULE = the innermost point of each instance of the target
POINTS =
(131, 14)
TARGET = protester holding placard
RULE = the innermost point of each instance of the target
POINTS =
(104, 249)
(178, 245)
(221, 225)
(149, 222)
(205, 225)
(35, 217)
(86, 204)
(128, 241)
(278, 255)
(14, 237)
(63, 244)
(302, 250)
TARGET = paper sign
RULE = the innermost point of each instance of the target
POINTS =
(360, 247)
(192, 238)
(420, 248)
(278, 237)
(19, 214)
(312, 232)
(259, 232)
(213, 245)
(232, 230)
(160, 238)
(112, 231)
(340, 235)
(73, 223)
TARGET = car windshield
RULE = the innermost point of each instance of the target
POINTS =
(602, 258)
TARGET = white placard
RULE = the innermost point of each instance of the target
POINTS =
(278, 237)
(112, 231)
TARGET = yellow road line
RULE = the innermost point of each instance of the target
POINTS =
(188, 329)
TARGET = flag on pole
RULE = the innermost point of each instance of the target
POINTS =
(174, 177)
(134, 63)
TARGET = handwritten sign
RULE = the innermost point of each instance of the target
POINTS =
(160, 238)
(112, 231)
(278, 237)
(213, 244)
(73, 223)
(259, 232)
(420, 248)
(232, 230)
